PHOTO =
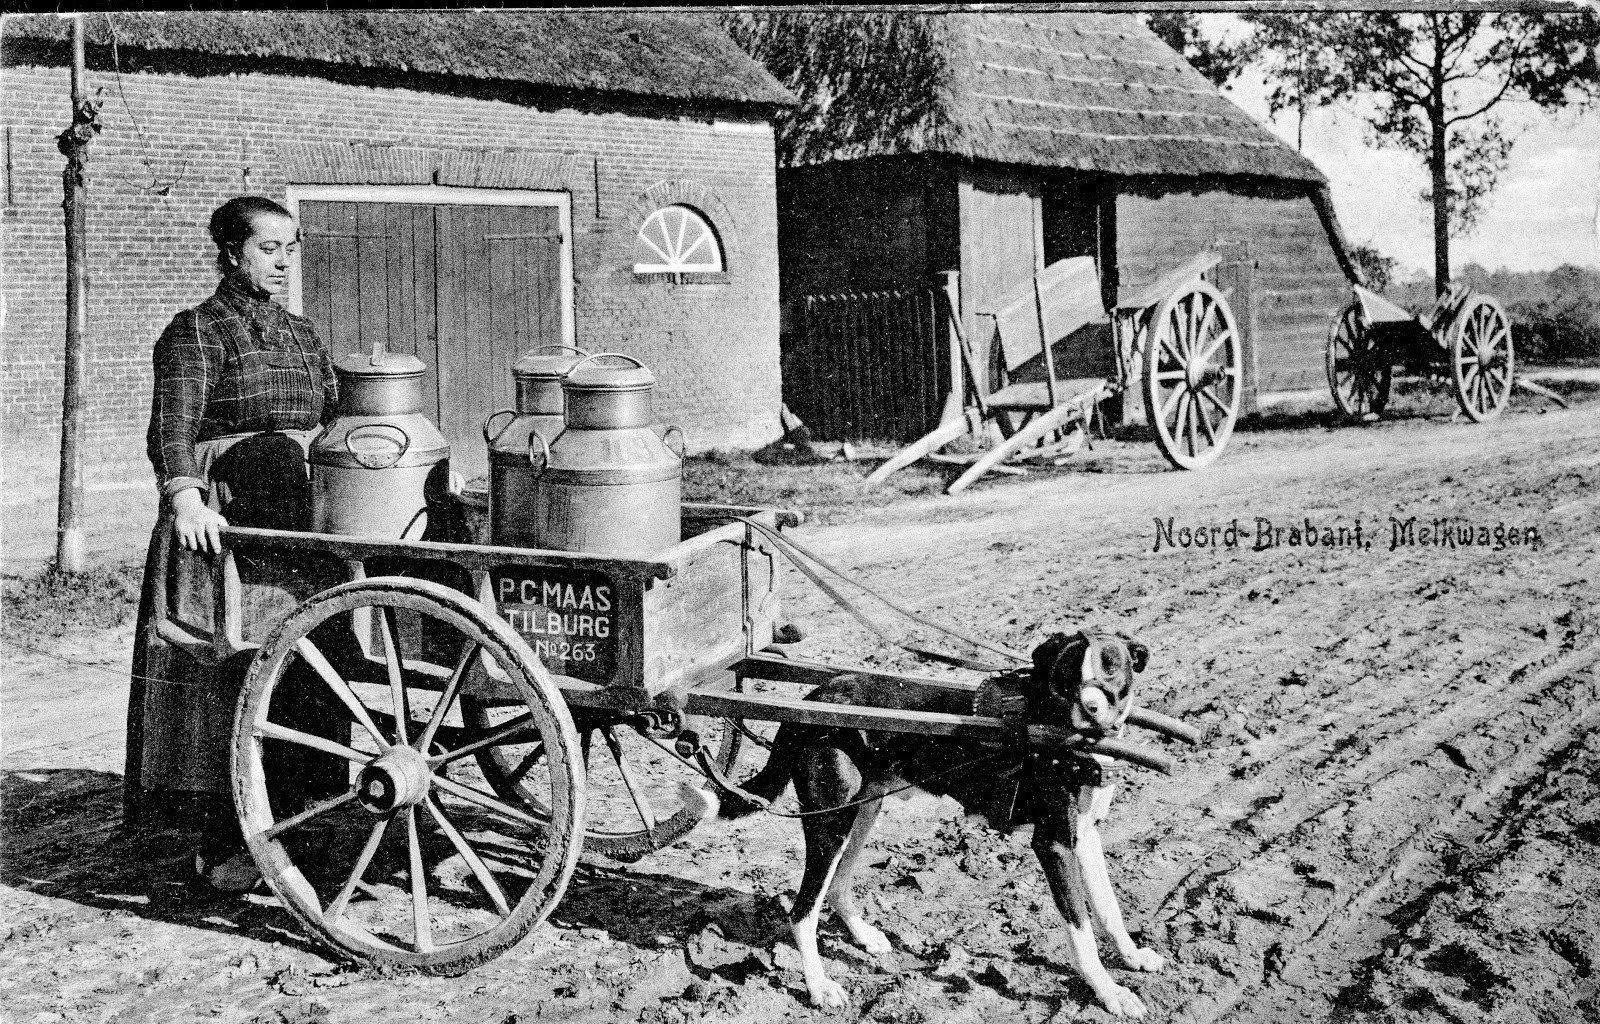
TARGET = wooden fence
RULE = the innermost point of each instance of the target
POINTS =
(869, 365)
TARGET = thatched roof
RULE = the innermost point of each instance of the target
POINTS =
(1089, 92)
(651, 55)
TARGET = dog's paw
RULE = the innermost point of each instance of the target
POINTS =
(866, 936)
(1143, 959)
(1119, 1001)
(826, 992)
(701, 803)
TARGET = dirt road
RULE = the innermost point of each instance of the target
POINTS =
(1395, 815)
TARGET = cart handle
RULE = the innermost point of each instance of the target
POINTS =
(603, 355)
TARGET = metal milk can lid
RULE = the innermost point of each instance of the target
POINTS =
(380, 362)
(548, 362)
(589, 375)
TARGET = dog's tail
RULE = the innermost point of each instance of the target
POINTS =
(767, 785)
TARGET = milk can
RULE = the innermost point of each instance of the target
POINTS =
(512, 474)
(608, 484)
(377, 465)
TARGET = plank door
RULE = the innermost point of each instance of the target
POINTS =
(466, 289)
(499, 296)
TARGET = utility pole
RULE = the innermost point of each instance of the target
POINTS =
(71, 555)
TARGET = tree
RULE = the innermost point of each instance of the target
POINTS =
(1438, 80)
(1180, 30)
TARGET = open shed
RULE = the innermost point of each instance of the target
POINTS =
(994, 144)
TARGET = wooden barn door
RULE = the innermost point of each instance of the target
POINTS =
(466, 289)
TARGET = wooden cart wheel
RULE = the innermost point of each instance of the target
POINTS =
(1481, 360)
(411, 860)
(631, 791)
(1193, 375)
(1359, 374)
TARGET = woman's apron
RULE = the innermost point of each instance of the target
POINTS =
(180, 707)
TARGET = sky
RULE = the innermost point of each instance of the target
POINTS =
(1544, 212)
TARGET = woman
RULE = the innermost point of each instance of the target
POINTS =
(240, 385)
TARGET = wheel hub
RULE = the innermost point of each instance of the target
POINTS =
(398, 778)
(1195, 374)
(1485, 357)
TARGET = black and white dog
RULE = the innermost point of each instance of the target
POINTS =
(1082, 682)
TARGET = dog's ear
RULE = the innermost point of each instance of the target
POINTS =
(1045, 655)
(1138, 653)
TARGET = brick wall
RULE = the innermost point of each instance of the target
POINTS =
(1298, 284)
(174, 147)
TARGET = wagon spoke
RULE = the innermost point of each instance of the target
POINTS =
(419, 886)
(1167, 375)
(636, 793)
(1205, 421)
(310, 812)
(274, 731)
(341, 689)
(487, 801)
(397, 684)
(1181, 417)
(447, 697)
(1214, 400)
(480, 870)
(1194, 413)
(1192, 335)
(518, 725)
(374, 839)
(526, 765)
(1170, 404)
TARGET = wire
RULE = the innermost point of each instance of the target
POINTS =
(157, 186)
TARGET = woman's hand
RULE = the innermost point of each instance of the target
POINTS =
(195, 522)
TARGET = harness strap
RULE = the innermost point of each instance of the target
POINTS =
(799, 556)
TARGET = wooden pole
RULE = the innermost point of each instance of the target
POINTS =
(71, 555)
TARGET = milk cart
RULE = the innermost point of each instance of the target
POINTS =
(1464, 339)
(482, 715)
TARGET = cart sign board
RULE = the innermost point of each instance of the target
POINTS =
(568, 617)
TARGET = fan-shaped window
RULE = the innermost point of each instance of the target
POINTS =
(676, 240)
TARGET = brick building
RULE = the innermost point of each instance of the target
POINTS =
(470, 185)
(994, 144)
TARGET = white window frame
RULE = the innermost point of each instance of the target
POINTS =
(664, 268)
(446, 195)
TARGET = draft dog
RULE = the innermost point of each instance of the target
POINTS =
(1082, 682)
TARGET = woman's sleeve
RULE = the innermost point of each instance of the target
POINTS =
(330, 381)
(186, 367)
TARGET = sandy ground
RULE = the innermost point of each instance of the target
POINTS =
(1394, 816)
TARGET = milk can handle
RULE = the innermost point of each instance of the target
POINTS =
(490, 419)
(603, 355)
(544, 459)
(562, 348)
(683, 441)
(366, 458)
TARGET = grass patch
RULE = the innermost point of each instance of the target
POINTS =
(54, 603)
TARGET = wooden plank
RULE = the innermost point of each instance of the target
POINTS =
(1166, 284)
(344, 295)
(1379, 310)
(371, 270)
(812, 673)
(423, 286)
(314, 272)
(454, 376)
(763, 707)
(1069, 297)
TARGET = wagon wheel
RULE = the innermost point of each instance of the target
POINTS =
(1481, 360)
(412, 860)
(1359, 374)
(632, 802)
(1192, 375)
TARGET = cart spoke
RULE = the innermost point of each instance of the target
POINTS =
(447, 697)
(341, 689)
(636, 793)
(397, 684)
(526, 765)
(1168, 375)
(1194, 414)
(480, 870)
(1205, 421)
(274, 731)
(306, 815)
(419, 886)
(374, 839)
(1214, 400)
(1170, 404)
(487, 801)
(515, 727)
